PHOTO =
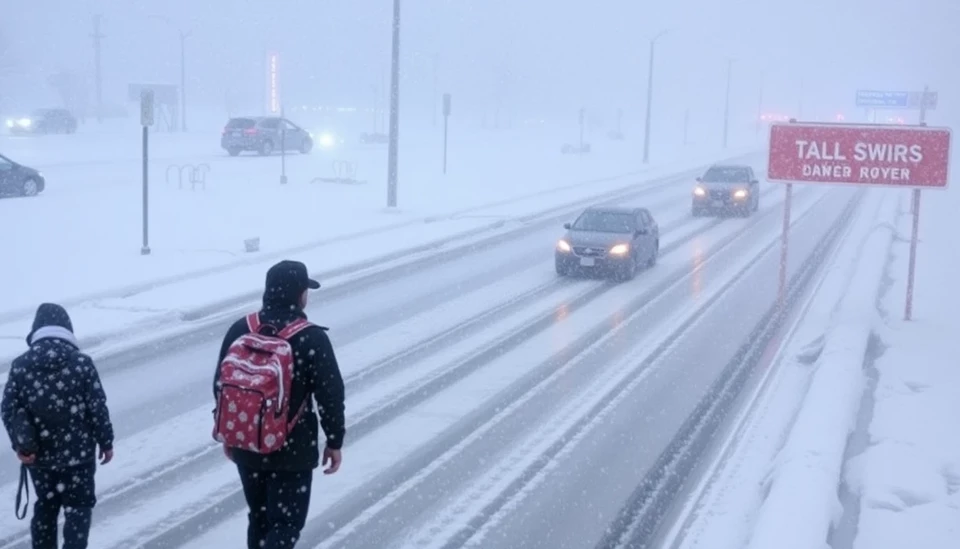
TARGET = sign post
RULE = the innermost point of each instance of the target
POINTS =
(583, 113)
(446, 125)
(146, 120)
(915, 157)
(283, 148)
(915, 211)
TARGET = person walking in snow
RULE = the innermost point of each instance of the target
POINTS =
(55, 411)
(273, 364)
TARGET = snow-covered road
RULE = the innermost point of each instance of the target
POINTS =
(457, 376)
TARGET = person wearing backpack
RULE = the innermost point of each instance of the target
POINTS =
(273, 365)
(55, 411)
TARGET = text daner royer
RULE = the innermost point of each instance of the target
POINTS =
(886, 153)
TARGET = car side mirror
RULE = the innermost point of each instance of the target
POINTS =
(755, 182)
(640, 232)
(699, 180)
(566, 226)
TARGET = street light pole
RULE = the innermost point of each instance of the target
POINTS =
(394, 108)
(183, 80)
(726, 106)
(646, 125)
(760, 105)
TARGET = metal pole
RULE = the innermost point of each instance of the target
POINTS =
(915, 232)
(726, 106)
(183, 81)
(283, 149)
(646, 124)
(433, 100)
(908, 310)
(145, 249)
(784, 245)
(97, 37)
(760, 105)
(446, 120)
(393, 151)
(582, 114)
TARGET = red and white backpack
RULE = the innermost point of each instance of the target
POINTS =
(253, 400)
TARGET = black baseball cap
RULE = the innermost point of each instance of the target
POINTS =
(290, 275)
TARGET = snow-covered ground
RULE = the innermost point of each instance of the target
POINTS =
(907, 479)
(83, 248)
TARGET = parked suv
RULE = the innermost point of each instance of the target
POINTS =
(264, 134)
(42, 121)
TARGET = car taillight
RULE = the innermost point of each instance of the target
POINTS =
(251, 131)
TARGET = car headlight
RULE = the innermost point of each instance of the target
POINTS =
(9, 123)
(699, 191)
(327, 140)
(740, 193)
(619, 249)
(563, 246)
(25, 122)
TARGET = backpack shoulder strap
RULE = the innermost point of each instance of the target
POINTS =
(294, 328)
(253, 322)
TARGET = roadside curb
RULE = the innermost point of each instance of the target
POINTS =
(809, 466)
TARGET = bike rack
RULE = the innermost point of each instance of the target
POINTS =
(344, 171)
(196, 175)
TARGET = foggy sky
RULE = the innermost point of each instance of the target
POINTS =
(534, 54)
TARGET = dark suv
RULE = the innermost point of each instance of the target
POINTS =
(42, 121)
(264, 134)
(726, 189)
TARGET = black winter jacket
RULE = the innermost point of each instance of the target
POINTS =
(316, 376)
(53, 402)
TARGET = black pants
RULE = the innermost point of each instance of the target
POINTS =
(278, 502)
(71, 489)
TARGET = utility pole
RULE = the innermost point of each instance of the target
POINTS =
(97, 38)
(183, 80)
(393, 150)
(726, 106)
(433, 99)
(646, 127)
(760, 105)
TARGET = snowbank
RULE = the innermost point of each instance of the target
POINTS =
(802, 500)
(908, 478)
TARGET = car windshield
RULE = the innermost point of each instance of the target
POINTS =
(605, 222)
(726, 174)
(241, 123)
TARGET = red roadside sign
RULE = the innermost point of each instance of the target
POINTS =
(889, 156)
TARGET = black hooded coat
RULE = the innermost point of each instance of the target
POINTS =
(54, 406)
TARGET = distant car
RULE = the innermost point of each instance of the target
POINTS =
(611, 241)
(374, 138)
(730, 188)
(264, 135)
(19, 180)
(43, 121)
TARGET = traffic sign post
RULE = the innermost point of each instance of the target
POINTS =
(914, 157)
(146, 120)
(446, 125)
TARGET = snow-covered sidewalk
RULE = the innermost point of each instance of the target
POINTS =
(908, 478)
